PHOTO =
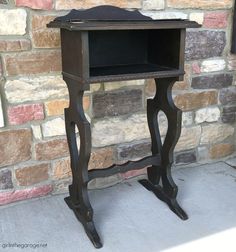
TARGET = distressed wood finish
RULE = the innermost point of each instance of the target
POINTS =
(96, 48)
(162, 173)
(135, 25)
(78, 200)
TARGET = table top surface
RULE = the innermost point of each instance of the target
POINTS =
(113, 18)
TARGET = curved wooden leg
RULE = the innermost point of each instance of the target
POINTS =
(154, 172)
(78, 200)
(163, 101)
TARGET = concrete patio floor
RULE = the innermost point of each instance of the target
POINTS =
(131, 219)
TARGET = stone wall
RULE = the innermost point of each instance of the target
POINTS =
(34, 157)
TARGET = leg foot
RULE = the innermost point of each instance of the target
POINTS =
(89, 226)
(171, 202)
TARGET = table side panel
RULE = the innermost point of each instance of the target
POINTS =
(75, 54)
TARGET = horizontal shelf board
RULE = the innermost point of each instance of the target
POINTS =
(135, 71)
(127, 69)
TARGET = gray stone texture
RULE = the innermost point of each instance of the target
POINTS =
(5, 180)
(134, 150)
(3, 2)
(228, 96)
(212, 81)
(117, 103)
(186, 158)
(204, 44)
(229, 115)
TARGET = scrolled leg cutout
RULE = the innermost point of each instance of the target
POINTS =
(156, 174)
(78, 200)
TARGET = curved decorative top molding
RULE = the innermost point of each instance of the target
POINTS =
(108, 17)
(103, 12)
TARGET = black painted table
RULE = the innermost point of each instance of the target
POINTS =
(104, 44)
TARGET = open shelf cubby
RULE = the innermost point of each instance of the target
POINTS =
(128, 52)
(114, 55)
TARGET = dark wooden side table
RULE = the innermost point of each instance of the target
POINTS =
(104, 44)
